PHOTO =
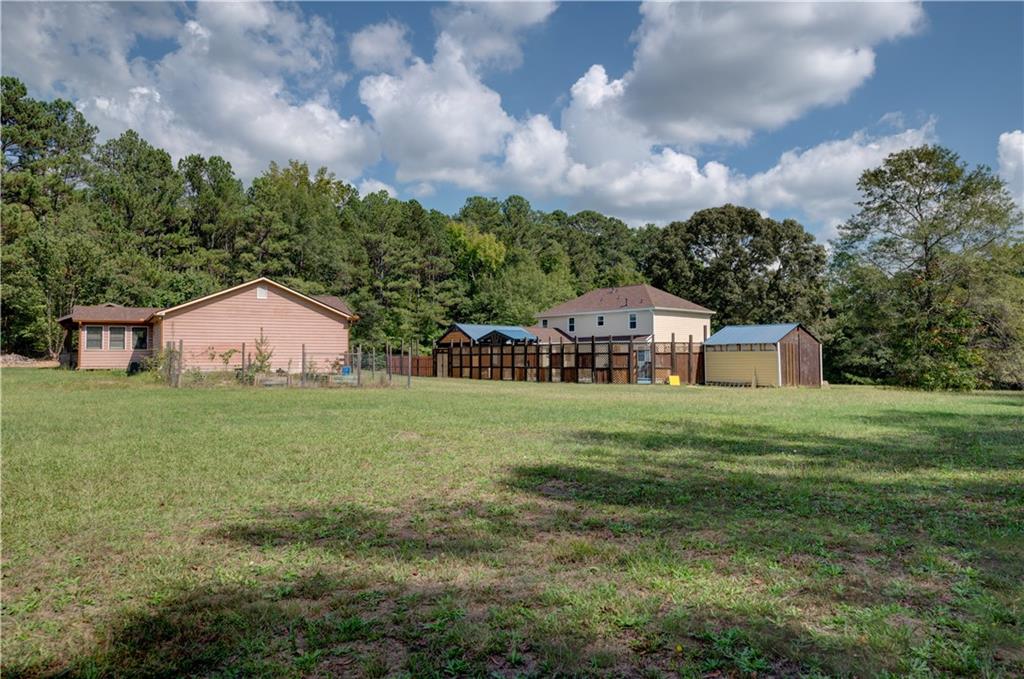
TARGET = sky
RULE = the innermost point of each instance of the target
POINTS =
(647, 112)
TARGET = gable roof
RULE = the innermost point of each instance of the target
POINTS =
(108, 313)
(751, 334)
(548, 335)
(641, 296)
(475, 331)
(266, 281)
(336, 302)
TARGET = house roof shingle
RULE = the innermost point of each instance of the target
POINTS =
(548, 335)
(334, 302)
(641, 296)
(108, 313)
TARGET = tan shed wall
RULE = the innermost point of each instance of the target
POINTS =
(287, 320)
(104, 359)
(738, 367)
(680, 323)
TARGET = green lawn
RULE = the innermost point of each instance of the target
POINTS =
(473, 528)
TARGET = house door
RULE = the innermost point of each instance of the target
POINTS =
(442, 364)
(643, 366)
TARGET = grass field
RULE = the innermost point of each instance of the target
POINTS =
(471, 528)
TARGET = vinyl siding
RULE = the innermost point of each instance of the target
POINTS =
(681, 323)
(105, 359)
(226, 322)
(615, 323)
(739, 367)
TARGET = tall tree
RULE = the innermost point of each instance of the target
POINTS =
(927, 228)
(748, 268)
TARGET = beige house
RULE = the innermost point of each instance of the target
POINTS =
(210, 328)
(629, 312)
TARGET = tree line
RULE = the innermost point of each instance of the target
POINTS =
(924, 286)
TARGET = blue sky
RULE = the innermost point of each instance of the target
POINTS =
(646, 112)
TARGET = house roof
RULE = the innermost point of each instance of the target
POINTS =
(115, 313)
(108, 313)
(475, 331)
(266, 281)
(334, 301)
(548, 335)
(751, 334)
(641, 296)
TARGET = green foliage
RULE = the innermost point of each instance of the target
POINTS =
(747, 268)
(926, 287)
(928, 276)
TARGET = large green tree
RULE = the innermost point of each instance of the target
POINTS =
(914, 271)
(746, 267)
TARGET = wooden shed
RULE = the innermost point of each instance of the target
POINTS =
(779, 355)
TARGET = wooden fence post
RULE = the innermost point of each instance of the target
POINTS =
(611, 372)
(689, 362)
(576, 358)
(654, 360)
(673, 350)
(536, 366)
(629, 363)
(551, 365)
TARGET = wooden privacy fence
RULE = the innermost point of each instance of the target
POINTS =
(591, 361)
(422, 366)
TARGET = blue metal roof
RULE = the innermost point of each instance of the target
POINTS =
(476, 331)
(751, 334)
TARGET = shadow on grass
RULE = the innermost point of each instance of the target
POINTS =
(735, 550)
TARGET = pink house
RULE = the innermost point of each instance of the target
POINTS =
(212, 330)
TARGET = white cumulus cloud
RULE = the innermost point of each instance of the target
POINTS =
(1011, 163)
(381, 47)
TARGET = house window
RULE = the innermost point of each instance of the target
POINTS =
(261, 292)
(94, 337)
(116, 340)
(140, 339)
(572, 324)
(600, 321)
(544, 323)
(632, 321)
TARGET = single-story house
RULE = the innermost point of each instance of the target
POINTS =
(212, 330)
(635, 312)
(784, 354)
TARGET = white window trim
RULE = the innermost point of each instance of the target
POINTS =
(600, 320)
(544, 323)
(261, 292)
(140, 327)
(571, 323)
(124, 338)
(632, 321)
(85, 338)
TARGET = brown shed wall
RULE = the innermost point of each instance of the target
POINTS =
(801, 359)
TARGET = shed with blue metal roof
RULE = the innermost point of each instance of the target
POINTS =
(777, 355)
(476, 333)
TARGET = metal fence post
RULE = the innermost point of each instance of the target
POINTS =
(359, 365)
(302, 373)
(408, 378)
(689, 364)
(181, 355)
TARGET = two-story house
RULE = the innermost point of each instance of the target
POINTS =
(630, 312)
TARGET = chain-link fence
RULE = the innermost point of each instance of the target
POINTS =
(260, 365)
